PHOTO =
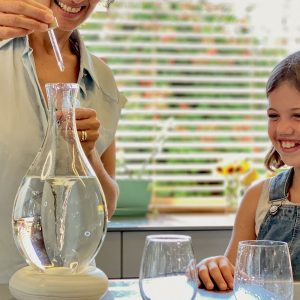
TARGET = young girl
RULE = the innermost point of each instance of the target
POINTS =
(270, 209)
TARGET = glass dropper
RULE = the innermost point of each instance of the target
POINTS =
(55, 46)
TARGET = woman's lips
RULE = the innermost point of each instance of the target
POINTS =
(70, 10)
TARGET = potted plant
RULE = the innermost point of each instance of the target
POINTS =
(136, 186)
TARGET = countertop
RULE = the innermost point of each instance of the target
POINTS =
(199, 221)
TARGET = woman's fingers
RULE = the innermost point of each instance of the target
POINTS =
(29, 8)
(85, 113)
(21, 17)
(37, 3)
(87, 126)
(90, 124)
(7, 32)
(86, 118)
(21, 22)
(88, 135)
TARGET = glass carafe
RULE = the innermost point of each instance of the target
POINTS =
(59, 215)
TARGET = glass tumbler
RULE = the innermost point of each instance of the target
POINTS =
(263, 271)
(168, 268)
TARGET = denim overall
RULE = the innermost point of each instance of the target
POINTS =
(282, 222)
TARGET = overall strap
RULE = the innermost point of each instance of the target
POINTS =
(280, 185)
(279, 189)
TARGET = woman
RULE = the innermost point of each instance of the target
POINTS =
(27, 63)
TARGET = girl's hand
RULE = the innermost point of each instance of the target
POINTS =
(88, 128)
(216, 272)
(22, 17)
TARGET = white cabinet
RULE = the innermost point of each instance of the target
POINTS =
(122, 249)
(205, 243)
(109, 256)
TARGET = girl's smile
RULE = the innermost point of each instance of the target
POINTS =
(289, 146)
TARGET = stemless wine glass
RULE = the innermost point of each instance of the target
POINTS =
(263, 271)
(168, 268)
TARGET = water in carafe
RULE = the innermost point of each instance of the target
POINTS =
(60, 215)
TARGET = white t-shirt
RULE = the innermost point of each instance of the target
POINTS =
(263, 205)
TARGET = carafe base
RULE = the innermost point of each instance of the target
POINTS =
(30, 284)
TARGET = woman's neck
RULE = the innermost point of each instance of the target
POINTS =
(45, 63)
(40, 42)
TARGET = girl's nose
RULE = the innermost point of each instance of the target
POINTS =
(285, 128)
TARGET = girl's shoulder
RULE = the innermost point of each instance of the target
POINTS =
(256, 188)
(246, 214)
(253, 194)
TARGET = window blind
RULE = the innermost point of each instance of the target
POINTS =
(194, 73)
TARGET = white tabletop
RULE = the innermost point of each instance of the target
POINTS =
(128, 289)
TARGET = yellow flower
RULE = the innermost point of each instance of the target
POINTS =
(251, 176)
(240, 167)
(243, 166)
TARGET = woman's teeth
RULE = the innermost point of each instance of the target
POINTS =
(68, 8)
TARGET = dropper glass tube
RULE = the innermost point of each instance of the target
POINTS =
(55, 46)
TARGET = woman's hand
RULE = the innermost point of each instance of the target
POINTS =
(22, 17)
(88, 128)
(216, 272)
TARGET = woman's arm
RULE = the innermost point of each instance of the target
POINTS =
(104, 166)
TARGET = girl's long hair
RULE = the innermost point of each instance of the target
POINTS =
(288, 70)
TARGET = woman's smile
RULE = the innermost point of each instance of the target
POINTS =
(72, 13)
(70, 10)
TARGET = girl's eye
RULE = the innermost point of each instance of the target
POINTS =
(297, 116)
(273, 116)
